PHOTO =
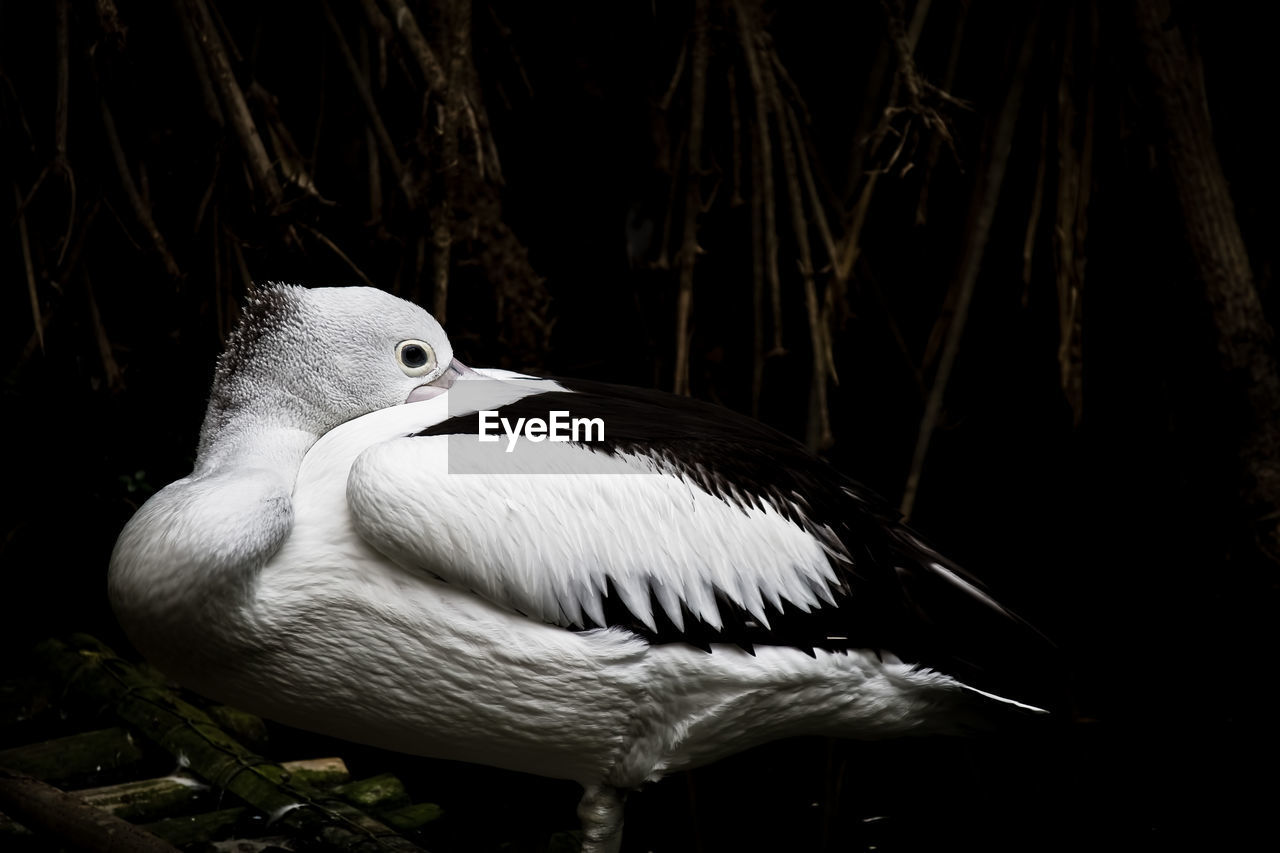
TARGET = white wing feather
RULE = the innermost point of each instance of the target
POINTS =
(545, 530)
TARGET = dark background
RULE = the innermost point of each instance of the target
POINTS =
(1113, 519)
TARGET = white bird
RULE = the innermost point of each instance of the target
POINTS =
(349, 557)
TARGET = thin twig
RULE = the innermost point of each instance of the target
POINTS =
(141, 210)
(233, 102)
(208, 192)
(904, 40)
(663, 261)
(61, 113)
(371, 144)
(747, 35)
(110, 369)
(474, 127)
(986, 196)
(455, 97)
(664, 103)
(246, 280)
(380, 23)
(323, 85)
(385, 145)
(432, 72)
(505, 33)
(1033, 215)
(384, 33)
(28, 267)
(851, 244)
(758, 166)
(922, 98)
(286, 150)
(693, 203)
(62, 79)
(819, 429)
(815, 201)
(735, 123)
(109, 21)
(482, 129)
(208, 97)
(948, 79)
(342, 256)
(780, 72)
(221, 279)
(1074, 177)
(66, 265)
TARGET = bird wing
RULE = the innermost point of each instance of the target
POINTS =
(684, 521)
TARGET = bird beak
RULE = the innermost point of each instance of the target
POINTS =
(441, 383)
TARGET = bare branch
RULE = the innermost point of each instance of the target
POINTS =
(62, 79)
(28, 267)
(748, 32)
(141, 209)
(693, 203)
(233, 102)
(432, 71)
(342, 256)
(385, 145)
(986, 196)
(819, 428)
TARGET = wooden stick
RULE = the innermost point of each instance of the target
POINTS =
(188, 829)
(59, 815)
(383, 791)
(93, 670)
(411, 817)
(74, 755)
(152, 799)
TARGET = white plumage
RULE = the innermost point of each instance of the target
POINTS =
(327, 566)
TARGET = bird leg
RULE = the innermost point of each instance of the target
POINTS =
(600, 811)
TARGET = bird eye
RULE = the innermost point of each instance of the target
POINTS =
(416, 357)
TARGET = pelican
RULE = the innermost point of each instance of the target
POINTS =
(572, 579)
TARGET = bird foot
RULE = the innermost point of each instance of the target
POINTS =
(600, 811)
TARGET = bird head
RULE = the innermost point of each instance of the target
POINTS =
(311, 359)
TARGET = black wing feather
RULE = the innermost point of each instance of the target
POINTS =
(889, 597)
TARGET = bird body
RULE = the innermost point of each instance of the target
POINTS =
(347, 562)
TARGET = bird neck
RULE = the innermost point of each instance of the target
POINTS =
(189, 558)
(246, 441)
